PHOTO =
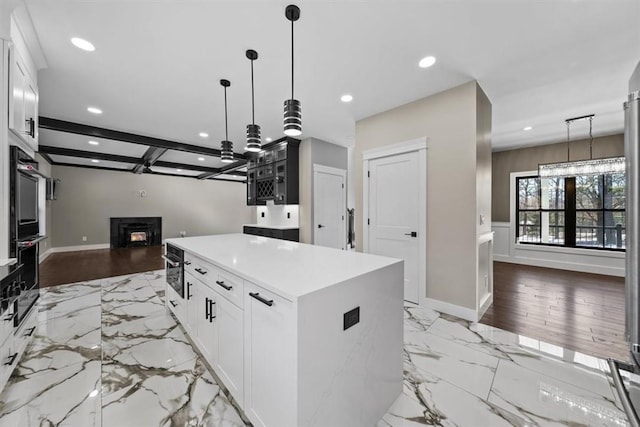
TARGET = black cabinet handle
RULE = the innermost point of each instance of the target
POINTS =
(10, 317)
(12, 359)
(32, 128)
(221, 283)
(201, 271)
(189, 294)
(207, 307)
(320, 225)
(211, 316)
(257, 296)
(187, 263)
(412, 234)
(173, 303)
(31, 331)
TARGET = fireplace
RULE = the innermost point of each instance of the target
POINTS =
(135, 231)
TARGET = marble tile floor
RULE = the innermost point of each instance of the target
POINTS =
(107, 353)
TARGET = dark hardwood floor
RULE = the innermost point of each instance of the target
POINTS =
(69, 267)
(579, 311)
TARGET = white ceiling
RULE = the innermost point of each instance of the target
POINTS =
(80, 142)
(157, 64)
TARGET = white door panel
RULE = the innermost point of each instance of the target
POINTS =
(329, 207)
(394, 187)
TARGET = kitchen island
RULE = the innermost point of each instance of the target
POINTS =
(300, 335)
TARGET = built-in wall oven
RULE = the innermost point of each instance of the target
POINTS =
(174, 258)
(24, 227)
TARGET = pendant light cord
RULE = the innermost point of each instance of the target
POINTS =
(226, 127)
(568, 141)
(292, 97)
(590, 138)
(253, 108)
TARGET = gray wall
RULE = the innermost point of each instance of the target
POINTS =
(450, 120)
(527, 159)
(89, 197)
(315, 152)
(45, 168)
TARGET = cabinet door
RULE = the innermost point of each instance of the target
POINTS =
(207, 334)
(270, 359)
(31, 114)
(190, 296)
(16, 109)
(229, 363)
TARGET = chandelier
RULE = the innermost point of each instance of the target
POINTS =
(592, 166)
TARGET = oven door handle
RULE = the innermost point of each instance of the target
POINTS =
(29, 243)
(171, 262)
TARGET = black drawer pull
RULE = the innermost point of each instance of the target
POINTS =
(201, 271)
(189, 294)
(221, 283)
(257, 296)
(173, 303)
(12, 359)
(10, 317)
(31, 331)
(187, 263)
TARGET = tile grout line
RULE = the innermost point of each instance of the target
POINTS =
(493, 379)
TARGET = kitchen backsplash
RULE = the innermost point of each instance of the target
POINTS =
(277, 215)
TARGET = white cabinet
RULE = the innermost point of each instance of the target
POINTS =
(206, 338)
(176, 304)
(191, 289)
(8, 360)
(23, 101)
(228, 359)
(270, 359)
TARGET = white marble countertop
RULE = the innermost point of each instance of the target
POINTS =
(289, 269)
(276, 227)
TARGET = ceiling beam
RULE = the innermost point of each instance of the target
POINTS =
(226, 169)
(149, 158)
(116, 135)
(57, 151)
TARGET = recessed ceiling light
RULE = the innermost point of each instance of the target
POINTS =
(346, 98)
(94, 110)
(526, 128)
(94, 143)
(268, 139)
(83, 44)
(203, 135)
(178, 170)
(201, 159)
(95, 161)
(427, 61)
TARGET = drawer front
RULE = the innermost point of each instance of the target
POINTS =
(6, 322)
(27, 330)
(176, 304)
(189, 263)
(8, 360)
(202, 270)
(230, 286)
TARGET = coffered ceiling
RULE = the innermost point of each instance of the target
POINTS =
(156, 66)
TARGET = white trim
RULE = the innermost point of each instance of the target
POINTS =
(45, 255)
(581, 267)
(393, 149)
(80, 248)
(331, 171)
(420, 145)
(451, 309)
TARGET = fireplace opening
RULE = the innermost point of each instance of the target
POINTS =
(132, 232)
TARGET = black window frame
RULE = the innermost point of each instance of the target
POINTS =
(570, 213)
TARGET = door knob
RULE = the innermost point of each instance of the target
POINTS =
(412, 234)
(320, 225)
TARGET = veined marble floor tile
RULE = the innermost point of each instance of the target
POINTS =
(183, 395)
(66, 397)
(418, 318)
(73, 300)
(546, 401)
(145, 345)
(127, 300)
(461, 366)
(63, 341)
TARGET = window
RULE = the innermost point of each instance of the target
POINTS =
(582, 211)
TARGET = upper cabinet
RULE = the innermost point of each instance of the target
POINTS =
(23, 100)
(272, 174)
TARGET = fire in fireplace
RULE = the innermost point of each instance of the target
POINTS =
(138, 236)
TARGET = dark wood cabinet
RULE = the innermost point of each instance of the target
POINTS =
(292, 234)
(272, 174)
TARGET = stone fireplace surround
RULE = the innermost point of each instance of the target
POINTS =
(119, 227)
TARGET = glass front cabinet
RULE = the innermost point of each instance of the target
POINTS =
(272, 174)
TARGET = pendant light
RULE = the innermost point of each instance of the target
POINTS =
(253, 130)
(226, 154)
(292, 107)
(582, 167)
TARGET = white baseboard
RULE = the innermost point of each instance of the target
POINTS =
(484, 306)
(561, 265)
(452, 309)
(80, 248)
(45, 255)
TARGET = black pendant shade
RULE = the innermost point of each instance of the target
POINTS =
(292, 107)
(254, 144)
(226, 154)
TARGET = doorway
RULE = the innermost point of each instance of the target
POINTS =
(329, 207)
(395, 210)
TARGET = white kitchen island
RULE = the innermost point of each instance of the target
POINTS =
(270, 316)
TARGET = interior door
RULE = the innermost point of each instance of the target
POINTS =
(329, 207)
(394, 187)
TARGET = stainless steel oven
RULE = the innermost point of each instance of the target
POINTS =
(174, 258)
